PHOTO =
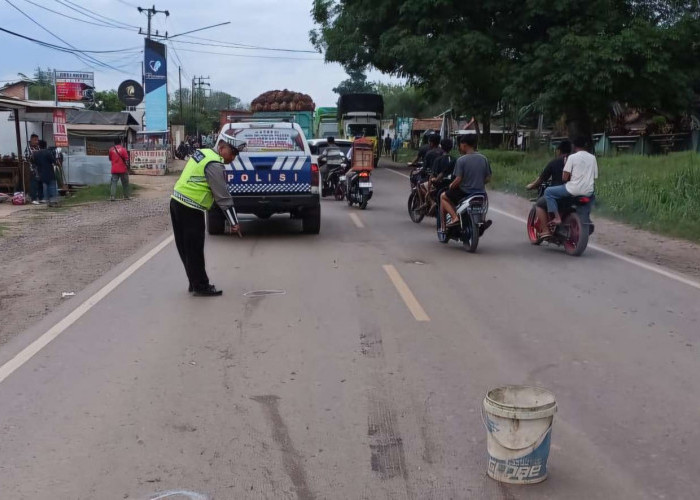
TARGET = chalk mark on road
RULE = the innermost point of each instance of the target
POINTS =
(630, 260)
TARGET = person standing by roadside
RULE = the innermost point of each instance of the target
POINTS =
(395, 145)
(35, 187)
(120, 169)
(387, 145)
(45, 161)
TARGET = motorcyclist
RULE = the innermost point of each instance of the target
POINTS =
(331, 157)
(471, 172)
(434, 152)
(442, 170)
(552, 173)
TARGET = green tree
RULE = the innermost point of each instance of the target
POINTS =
(356, 84)
(108, 100)
(201, 110)
(409, 100)
(570, 57)
(41, 88)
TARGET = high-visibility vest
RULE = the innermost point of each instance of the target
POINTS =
(192, 188)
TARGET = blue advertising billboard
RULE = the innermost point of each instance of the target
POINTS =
(156, 79)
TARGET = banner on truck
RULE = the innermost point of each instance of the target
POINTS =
(74, 86)
(60, 134)
(148, 162)
(156, 78)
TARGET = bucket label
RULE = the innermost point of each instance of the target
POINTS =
(527, 468)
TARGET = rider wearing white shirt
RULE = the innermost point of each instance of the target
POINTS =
(579, 175)
(583, 169)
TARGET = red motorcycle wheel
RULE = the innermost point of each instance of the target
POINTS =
(532, 233)
(576, 235)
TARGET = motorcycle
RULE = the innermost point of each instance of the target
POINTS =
(575, 228)
(472, 212)
(416, 209)
(359, 185)
(359, 189)
(335, 180)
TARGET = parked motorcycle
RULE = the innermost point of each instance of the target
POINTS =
(472, 212)
(575, 228)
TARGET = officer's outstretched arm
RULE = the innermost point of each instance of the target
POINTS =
(216, 179)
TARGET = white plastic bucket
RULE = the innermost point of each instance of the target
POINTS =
(518, 422)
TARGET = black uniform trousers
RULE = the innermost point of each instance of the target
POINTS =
(189, 227)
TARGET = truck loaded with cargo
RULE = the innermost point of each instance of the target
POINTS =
(286, 105)
(360, 115)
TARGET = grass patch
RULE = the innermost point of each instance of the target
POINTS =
(657, 193)
(2, 230)
(100, 192)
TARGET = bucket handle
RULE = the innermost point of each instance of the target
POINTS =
(483, 420)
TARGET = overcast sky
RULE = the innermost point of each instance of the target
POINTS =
(281, 24)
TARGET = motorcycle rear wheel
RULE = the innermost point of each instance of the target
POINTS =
(470, 235)
(576, 239)
(414, 212)
(532, 233)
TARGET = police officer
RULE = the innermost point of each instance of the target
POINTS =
(201, 183)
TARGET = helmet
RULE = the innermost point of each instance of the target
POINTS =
(237, 144)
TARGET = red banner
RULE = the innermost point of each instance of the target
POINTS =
(60, 134)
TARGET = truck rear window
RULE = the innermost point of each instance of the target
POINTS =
(267, 139)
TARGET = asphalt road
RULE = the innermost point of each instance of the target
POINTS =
(336, 390)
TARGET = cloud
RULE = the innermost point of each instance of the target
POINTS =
(242, 73)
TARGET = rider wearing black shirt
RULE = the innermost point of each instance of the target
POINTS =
(553, 173)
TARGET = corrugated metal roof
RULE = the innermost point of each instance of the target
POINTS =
(88, 117)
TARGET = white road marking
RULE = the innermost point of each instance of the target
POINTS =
(356, 219)
(32, 349)
(630, 260)
(398, 173)
(406, 294)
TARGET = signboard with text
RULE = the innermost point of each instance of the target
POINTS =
(60, 134)
(152, 162)
(74, 86)
(156, 78)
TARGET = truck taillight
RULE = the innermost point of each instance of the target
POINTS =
(315, 181)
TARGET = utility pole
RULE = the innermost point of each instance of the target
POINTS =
(197, 97)
(150, 12)
(179, 78)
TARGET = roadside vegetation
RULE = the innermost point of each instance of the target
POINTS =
(99, 192)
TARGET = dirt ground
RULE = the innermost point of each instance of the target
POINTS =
(45, 252)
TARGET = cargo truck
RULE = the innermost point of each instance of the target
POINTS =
(325, 123)
(360, 115)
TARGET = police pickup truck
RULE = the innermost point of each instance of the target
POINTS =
(273, 174)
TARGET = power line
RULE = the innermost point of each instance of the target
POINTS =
(103, 20)
(68, 49)
(255, 57)
(81, 58)
(102, 25)
(115, 21)
(247, 47)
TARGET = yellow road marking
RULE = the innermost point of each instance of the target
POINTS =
(358, 222)
(406, 294)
